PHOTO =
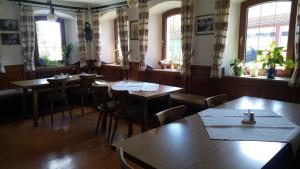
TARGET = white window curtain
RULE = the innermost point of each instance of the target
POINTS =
(123, 34)
(96, 37)
(27, 29)
(295, 80)
(143, 33)
(186, 35)
(221, 27)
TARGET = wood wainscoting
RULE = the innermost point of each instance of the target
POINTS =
(264, 88)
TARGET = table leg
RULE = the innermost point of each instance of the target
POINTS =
(35, 107)
(145, 116)
(24, 102)
(103, 121)
(168, 97)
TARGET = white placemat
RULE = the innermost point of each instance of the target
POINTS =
(267, 122)
(136, 86)
(225, 124)
(236, 112)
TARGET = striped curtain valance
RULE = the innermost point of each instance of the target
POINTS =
(143, 33)
(122, 18)
(27, 31)
(221, 28)
(295, 80)
(81, 41)
(96, 37)
(186, 35)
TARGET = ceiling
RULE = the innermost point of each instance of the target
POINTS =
(83, 3)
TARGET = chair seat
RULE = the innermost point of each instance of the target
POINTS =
(111, 106)
(132, 112)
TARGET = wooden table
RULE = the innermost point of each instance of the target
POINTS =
(36, 85)
(163, 91)
(185, 144)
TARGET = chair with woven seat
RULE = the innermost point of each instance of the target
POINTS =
(170, 115)
(85, 89)
(58, 94)
(107, 107)
(121, 159)
(216, 100)
(123, 111)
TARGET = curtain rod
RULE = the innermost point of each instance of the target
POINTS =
(46, 4)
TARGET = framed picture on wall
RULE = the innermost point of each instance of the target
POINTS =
(9, 25)
(10, 39)
(204, 25)
(134, 30)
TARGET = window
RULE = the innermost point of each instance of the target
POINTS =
(263, 22)
(49, 38)
(172, 50)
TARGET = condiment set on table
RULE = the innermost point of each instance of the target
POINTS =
(249, 117)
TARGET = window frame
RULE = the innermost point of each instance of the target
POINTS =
(243, 31)
(63, 36)
(165, 16)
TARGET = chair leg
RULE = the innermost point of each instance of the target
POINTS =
(130, 130)
(63, 111)
(99, 119)
(115, 128)
(109, 125)
(82, 105)
(51, 112)
(68, 107)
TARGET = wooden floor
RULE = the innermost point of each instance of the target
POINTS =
(67, 145)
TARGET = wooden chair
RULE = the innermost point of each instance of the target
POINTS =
(170, 115)
(85, 89)
(123, 111)
(121, 159)
(216, 100)
(58, 94)
(107, 107)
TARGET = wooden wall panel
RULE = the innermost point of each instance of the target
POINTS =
(12, 73)
(201, 83)
(269, 89)
(111, 72)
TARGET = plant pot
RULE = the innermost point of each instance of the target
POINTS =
(254, 71)
(271, 73)
(238, 71)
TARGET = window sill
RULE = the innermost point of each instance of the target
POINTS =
(264, 78)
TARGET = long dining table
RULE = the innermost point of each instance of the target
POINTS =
(185, 144)
(145, 96)
(37, 85)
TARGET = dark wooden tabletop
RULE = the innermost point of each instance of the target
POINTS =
(37, 83)
(185, 144)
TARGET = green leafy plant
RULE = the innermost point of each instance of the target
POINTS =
(237, 66)
(273, 57)
(66, 51)
(45, 61)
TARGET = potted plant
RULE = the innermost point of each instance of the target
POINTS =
(272, 58)
(66, 51)
(237, 66)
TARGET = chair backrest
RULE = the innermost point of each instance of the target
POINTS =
(216, 100)
(87, 81)
(58, 86)
(120, 97)
(103, 93)
(121, 159)
(170, 115)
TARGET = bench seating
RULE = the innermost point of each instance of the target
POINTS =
(188, 99)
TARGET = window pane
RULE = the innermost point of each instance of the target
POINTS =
(173, 50)
(267, 22)
(49, 39)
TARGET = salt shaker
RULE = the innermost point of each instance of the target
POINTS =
(251, 116)
(246, 117)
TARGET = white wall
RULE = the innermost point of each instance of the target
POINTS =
(12, 53)
(107, 39)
